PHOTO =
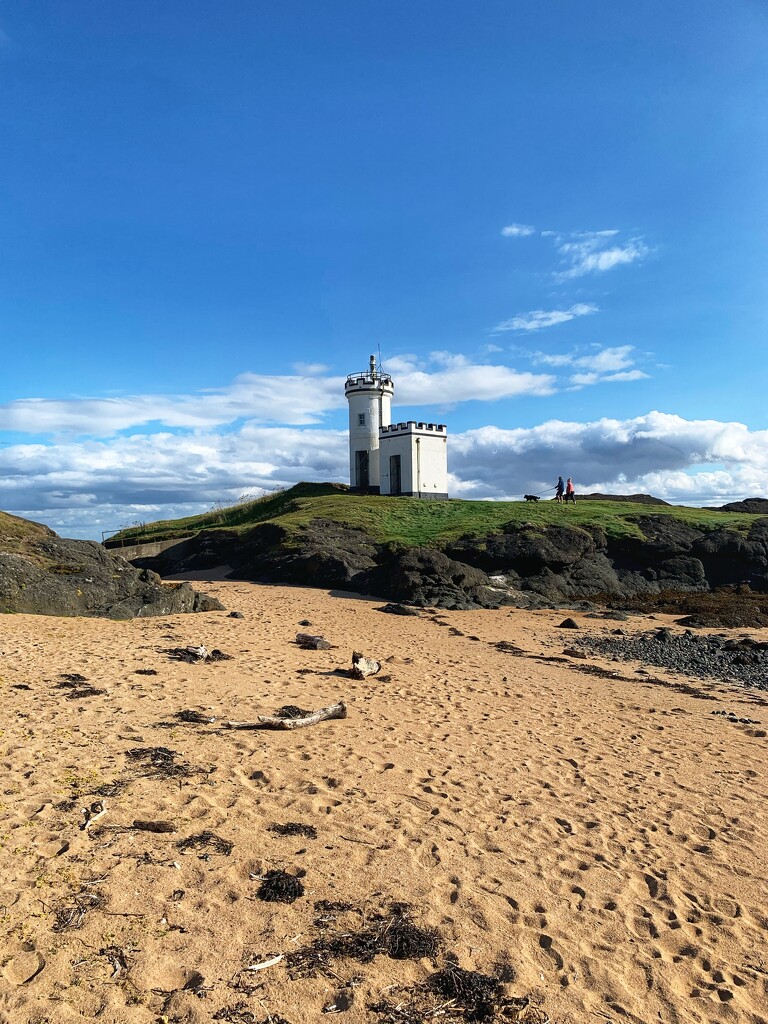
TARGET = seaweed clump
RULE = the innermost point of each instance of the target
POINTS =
(158, 762)
(206, 841)
(393, 934)
(291, 711)
(457, 995)
(279, 887)
(294, 828)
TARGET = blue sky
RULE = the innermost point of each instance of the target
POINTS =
(551, 217)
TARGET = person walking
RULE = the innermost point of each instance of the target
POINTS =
(559, 491)
(570, 492)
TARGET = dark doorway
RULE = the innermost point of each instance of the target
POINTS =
(361, 470)
(395, 485)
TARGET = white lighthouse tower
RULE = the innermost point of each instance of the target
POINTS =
(369, 394)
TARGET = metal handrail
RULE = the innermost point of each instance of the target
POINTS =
(366, 377)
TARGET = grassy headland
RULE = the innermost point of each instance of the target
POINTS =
(409, 521)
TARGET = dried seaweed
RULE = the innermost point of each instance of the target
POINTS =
(421, 1003)
(508, 648)
(291, 711)
(110, 788)
(196, 655)
(206, 841)
(84, 691)
(294, 828)
(70, 914)
(280, 887)
(240, 1014)
(159, 762)
(478, 995)
(194, 717)
(393, 934)
(72, 681)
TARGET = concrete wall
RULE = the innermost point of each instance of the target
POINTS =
(173, 550)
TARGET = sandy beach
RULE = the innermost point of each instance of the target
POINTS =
(597, 839)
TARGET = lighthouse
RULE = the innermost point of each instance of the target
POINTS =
(396, 459)
(369, 394)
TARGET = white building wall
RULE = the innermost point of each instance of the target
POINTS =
(369, 395)
(423, 451)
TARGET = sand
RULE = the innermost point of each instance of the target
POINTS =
(607, 836)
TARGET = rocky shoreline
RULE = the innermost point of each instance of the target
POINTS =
(524, 566)
(45, 574)
(741, 660)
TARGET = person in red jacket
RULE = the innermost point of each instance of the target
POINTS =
(570, 492)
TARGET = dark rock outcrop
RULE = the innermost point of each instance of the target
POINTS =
(51, 576)
(636, 499)
(426, 577)
(758, 506)
(527, 565)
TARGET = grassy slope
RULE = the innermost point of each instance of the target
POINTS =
(410, 521)
(21, 536)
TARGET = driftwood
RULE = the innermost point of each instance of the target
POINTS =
(310, 642)
(273, 722)
(92, 814)
(362, 666)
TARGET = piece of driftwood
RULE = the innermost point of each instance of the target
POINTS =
(273, 722)
(362, 666)
(265, 963)
(310, 642)
(92, 814)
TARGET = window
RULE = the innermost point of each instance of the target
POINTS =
(361, 419)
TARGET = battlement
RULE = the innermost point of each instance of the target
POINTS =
(412, 427)
(366, 380)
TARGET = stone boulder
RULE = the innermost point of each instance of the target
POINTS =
(429, 578)
(324, 553)
(526, 550)
(49, 575)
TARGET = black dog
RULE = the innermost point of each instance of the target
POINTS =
(531, 497)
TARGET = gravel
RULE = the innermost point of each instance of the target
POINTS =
(742, 660)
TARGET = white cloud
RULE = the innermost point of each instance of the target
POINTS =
(603, 365)
(591, 252)
(657, 453)
(459, 380)
(311, 369)
(606, 360)
(82, 488)
(291, 400)
(537, 319)
(268, 399)
(518, 230)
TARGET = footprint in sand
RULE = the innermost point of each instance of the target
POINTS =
(545, 943)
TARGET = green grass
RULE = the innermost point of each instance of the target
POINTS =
(409, 521)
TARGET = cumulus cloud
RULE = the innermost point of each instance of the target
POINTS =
(614, 364)
(537, 319)
(459, 379)
(596, 251)
(82, 488)
(268, 399)
(518, 230)
(294, 400)
(657, 453)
